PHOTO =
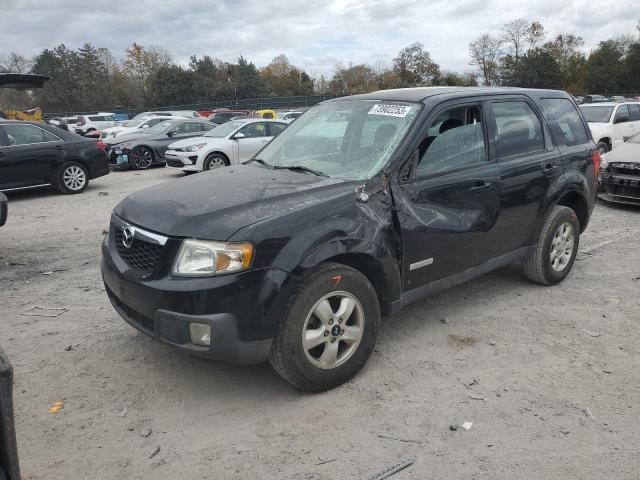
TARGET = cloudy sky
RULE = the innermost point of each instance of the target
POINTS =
(314, 34)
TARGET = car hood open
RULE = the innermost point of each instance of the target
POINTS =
(627, 152)
(215, 204)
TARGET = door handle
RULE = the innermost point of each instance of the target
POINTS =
(549, 169)
(58, 147)
(480, 187)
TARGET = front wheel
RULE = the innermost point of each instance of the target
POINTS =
(328, 329)
(72, 178)
(602, 147)
(215, 160)
(557, 247)
(141, 158)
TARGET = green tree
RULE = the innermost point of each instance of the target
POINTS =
(414, 66)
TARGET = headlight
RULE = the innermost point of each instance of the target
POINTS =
(192, 148)
(204, 258)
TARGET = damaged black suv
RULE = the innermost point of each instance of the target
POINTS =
(363, 205)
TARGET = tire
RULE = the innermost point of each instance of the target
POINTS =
(314, 369)
(141, 158)
(556, 250)
(71, 178)
(215, 160)
(602, 147)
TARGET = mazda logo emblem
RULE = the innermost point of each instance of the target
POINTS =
(127, 236)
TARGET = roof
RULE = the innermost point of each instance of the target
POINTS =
(419, 94)
(22, 80)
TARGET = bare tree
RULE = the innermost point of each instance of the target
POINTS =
(14, 63)
(484, 52)
(514, 34)
(535, 34)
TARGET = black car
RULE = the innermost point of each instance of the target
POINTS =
(36, 155)
(142, 150)
(360, 207)
(3, 209)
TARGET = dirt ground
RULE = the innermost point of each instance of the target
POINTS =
(547, 376)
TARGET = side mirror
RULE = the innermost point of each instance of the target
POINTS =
(239, 135)
(623, 119)
(3, 209)
(145, 126)
(172, 133)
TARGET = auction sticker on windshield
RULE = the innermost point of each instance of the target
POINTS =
(390, 110)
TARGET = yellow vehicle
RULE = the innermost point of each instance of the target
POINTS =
(265, 114)
(33, 115)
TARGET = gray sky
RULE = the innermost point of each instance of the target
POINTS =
(314, 34)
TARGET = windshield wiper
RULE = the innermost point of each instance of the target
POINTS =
(300, 168)
(261, 162)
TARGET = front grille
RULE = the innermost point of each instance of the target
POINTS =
(620, 168)
(142, 256)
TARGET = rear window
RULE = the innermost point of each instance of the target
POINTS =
(519, 129)
(564, 121)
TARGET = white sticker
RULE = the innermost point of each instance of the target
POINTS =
(390, 110)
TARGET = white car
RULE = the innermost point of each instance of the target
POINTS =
(177, 113)
(98, 121)
(288, 116)
(131, 126)
(612, 123)
(230, 143)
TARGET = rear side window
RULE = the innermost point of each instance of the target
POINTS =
(564, 121)
(519, 129)
(24, 134)
(634, 112)
(96, 119)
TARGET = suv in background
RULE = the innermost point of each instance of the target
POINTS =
(364, 205)
(612, 123)
(91, 123)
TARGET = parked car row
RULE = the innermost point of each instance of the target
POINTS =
(612, 124)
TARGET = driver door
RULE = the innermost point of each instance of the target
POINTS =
(256, 136)
(622, 127)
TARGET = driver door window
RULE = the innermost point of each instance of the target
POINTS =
(455, 139)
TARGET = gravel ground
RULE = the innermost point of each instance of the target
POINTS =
(547, 376)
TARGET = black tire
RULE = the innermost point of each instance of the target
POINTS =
(288, 356)
(71, 178)
(141, 158)
(540, 267)
(215, 160)
(602, 147)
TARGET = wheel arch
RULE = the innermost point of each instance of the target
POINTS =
(218, 152)
(606, 140)
(579, 204)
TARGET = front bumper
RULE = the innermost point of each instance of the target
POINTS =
(186, 161)
(620, 183)
(236, 307)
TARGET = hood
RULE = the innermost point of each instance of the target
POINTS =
(627, 152)
(187, 142)
(599, 130)
(213, 205)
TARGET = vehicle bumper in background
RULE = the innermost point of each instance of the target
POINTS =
(620, 183)
(162, 307)
(186, 161)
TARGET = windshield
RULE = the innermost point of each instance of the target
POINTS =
(224, 129)
(160, 127)
(596, 114)
(350, 139)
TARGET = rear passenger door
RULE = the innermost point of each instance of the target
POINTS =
(449, 204)
(529, 164)
(30, 157)
(571, 137)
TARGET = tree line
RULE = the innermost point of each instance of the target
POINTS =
(523, 54)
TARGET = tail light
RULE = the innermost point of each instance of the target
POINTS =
(595, 156)
(100, 145)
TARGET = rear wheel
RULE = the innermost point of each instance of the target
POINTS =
(72, 178)
(328, 329)
(215, 160)
(557, 247)
(141, 158)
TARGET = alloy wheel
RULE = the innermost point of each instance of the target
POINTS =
(562, 245)
(141, 158)
(333, 330)
(215, 162)
(74, 178)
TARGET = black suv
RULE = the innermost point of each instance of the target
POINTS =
(363, 205)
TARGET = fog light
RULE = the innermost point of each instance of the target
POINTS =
(200, 334)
